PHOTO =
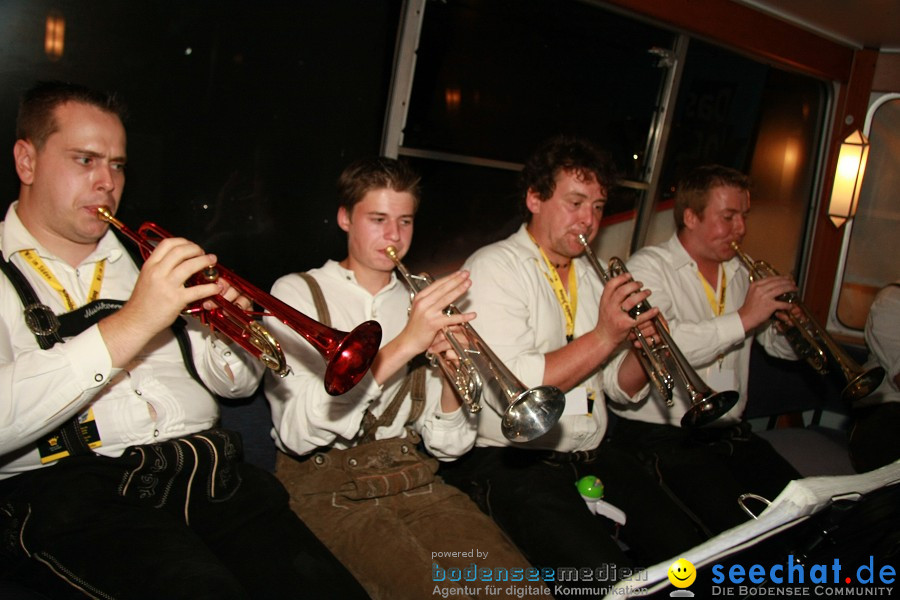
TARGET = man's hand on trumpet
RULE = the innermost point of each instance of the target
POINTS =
(427, 316)
(620, 295)
(441, 349)
(762, 301)
(426, 321)
(648, 330)
(158, 298)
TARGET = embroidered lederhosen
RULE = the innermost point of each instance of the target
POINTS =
(372, 468)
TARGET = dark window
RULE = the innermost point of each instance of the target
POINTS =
(242, 113)
(495, 77)
(763, 121)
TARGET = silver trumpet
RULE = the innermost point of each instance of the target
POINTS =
(812, 342)
(528, 414)
(660, 360)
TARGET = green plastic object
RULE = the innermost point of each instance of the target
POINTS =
(590, 487)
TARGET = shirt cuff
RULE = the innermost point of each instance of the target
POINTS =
(451, 420)
(731, 329)
(90, 358)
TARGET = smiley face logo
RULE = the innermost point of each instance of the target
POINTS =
(682, 573)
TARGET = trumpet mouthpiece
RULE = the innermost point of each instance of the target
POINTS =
(104, 215)
(391, 252)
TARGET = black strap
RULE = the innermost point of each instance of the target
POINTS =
(179, 327)
(45, 326)
(41, 320)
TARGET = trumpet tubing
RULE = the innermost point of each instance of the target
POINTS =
(812, 342)
(528, 413)
(348, 355)
(707, 405)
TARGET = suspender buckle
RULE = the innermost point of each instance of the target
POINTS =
(40, 319)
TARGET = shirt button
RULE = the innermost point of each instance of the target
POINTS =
(228, 353)
(156, 433)
(138, 392)
(98, 377)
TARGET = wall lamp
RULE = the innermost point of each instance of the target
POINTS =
(55, 36)
(848, 178)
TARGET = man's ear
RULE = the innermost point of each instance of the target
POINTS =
(533, 201)
(691, 219)
(25, 154)
(343, 218)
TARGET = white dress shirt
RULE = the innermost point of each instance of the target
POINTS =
(883, 340)
(152, 399)
(306, 418)
(521, 320)
(715, 346)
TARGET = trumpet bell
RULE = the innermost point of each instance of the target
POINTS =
(349, 360)
(812, 342)
(528, 413)
(348, 355)
(707, 410)
(533, 413)
(863, 384)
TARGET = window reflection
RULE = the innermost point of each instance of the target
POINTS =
(494, 78)
(871, 262)
(760, 120)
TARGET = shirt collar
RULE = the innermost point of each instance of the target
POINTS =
(15, 237)
(530, 253)
(333, 268)
(681, 258)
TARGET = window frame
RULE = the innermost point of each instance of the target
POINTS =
(876, 101)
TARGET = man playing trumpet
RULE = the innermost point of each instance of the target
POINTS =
(353, 463)
(114, 480)
(546, 314)
(714, 313)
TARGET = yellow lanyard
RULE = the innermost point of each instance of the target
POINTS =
(568, 301)
(38, 265)
(718, 308)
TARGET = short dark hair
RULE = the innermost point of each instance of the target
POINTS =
(36, 120)
(693, 189)
(564, 153)
(367, 174)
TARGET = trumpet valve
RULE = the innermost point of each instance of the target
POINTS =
(210, 274)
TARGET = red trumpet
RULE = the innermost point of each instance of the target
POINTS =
(348, 355)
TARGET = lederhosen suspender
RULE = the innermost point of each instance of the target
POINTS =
(45, 326)
(48, 329)
(413, 384)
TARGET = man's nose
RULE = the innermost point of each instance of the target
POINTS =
(588, 217)
(740, 226)
(392, 230)
(105, 178)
